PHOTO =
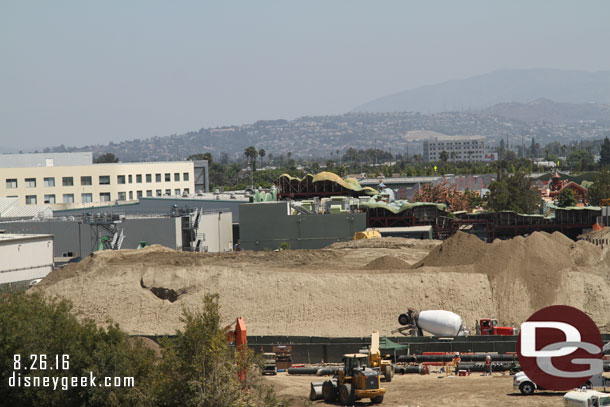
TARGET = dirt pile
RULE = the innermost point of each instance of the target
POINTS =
(339, 291)
(461, 248)
(387, 263)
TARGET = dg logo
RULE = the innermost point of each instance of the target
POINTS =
(560, 348)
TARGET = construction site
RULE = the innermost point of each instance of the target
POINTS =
(367, 318)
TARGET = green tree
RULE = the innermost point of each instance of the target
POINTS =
(444, 156)
(513, 193)
(199, 156)
(33, 325)
(261, 153)
(580, 160)
(566, 198)
(605, 152)
(199, 368)
(105, 158)
(600, 188)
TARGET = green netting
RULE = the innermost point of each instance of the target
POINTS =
(387, 344)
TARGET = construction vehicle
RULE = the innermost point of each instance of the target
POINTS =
(354, 382)
(367, 234)
(436, 322)
(586, 398)
(269, 366)
(238, 337)
(384, 366)
(489, 326)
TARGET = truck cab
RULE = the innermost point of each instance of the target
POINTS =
(269, 366)
(586, 398)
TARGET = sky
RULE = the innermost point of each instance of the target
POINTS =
(93, 72)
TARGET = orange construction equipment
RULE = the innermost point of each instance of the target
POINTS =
(488, 326)
(239, 338)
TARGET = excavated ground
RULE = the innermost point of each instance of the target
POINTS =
(347, 289)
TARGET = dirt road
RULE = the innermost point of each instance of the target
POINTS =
(429, 390)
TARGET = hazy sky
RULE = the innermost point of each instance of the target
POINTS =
(82, 72)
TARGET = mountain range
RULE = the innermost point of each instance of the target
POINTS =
(483, 91)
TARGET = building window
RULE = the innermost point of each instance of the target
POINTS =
(30, 200)
(104, 196)
(11, 183)
(69, 198)
(139, 194)
(157, 177)
(186, 191)
(49, 199)
(130, 179)
(149, 192)
(104, 179)
(139, 178)
(168, 192)
(122, 196)
(168, 177)
(30, 182)
(120, 179)
(86, 180)
(176, 176)
(177, 191)
(49, 182)
(131, 195)
(148, 177)
(67, 182)
(86, 198)
(159, 192)
(185, 176)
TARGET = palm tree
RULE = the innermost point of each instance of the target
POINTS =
(251, 154)
(261, 153)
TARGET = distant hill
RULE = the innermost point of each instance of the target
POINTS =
(545, 110)
(483, 91)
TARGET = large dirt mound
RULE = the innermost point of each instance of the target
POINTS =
(387, 263)
(339, 292)
(461, 248)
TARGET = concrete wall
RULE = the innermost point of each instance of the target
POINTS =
(267, 225)
(217, 228)
(79, 240)
(25, 258)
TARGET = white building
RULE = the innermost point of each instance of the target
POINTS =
(24, 258)
(458, 148)
(36, 179)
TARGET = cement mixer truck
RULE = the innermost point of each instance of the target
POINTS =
(436, 322)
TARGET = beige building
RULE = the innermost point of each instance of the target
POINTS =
(71, 186)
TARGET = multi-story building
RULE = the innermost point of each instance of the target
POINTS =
(458, 148)
(77, 182)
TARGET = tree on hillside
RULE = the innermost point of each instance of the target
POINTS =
(513, 193)
(600, 188)
(197, 157)
(105, 158)
(566, 198)
(605, 152)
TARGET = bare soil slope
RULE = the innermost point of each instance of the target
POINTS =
(347, 289)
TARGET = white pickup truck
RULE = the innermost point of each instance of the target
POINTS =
(526, 386)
